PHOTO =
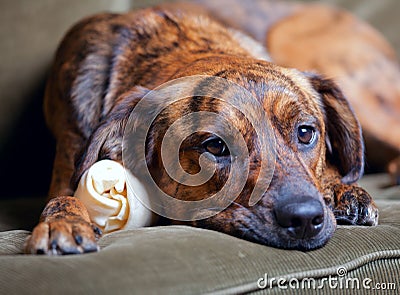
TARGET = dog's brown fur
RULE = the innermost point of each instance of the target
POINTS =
(104, 66)
(335, 43)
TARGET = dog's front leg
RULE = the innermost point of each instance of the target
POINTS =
(351, 204)
(64, 228)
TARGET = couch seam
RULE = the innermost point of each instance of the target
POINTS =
(315, 273)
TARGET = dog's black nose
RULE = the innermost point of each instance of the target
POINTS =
(302, 218)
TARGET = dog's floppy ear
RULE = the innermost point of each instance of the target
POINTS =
(344, 137)
(106, 141)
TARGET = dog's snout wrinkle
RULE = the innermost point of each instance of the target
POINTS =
(302, 218)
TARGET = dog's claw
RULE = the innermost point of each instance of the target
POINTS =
(97, 231)
(354, 206)
(69, 235)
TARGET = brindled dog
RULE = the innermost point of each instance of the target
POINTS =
(104, 66)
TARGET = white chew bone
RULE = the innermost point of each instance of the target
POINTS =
(111, 203)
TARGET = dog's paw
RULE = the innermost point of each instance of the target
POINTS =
(62, 236)
(354, 206)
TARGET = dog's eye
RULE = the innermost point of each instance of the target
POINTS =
(216, 146)
(305, 134)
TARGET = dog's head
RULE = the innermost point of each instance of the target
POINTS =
(313, 127)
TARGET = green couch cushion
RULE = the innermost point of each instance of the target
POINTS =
(180, 259)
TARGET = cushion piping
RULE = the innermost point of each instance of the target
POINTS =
(316, 273)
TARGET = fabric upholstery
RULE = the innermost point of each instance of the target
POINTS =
(185, 260)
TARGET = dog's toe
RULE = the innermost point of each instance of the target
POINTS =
(38, 241)
(62, 237)
(85, 237)
(368, 215)
(354, 206)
